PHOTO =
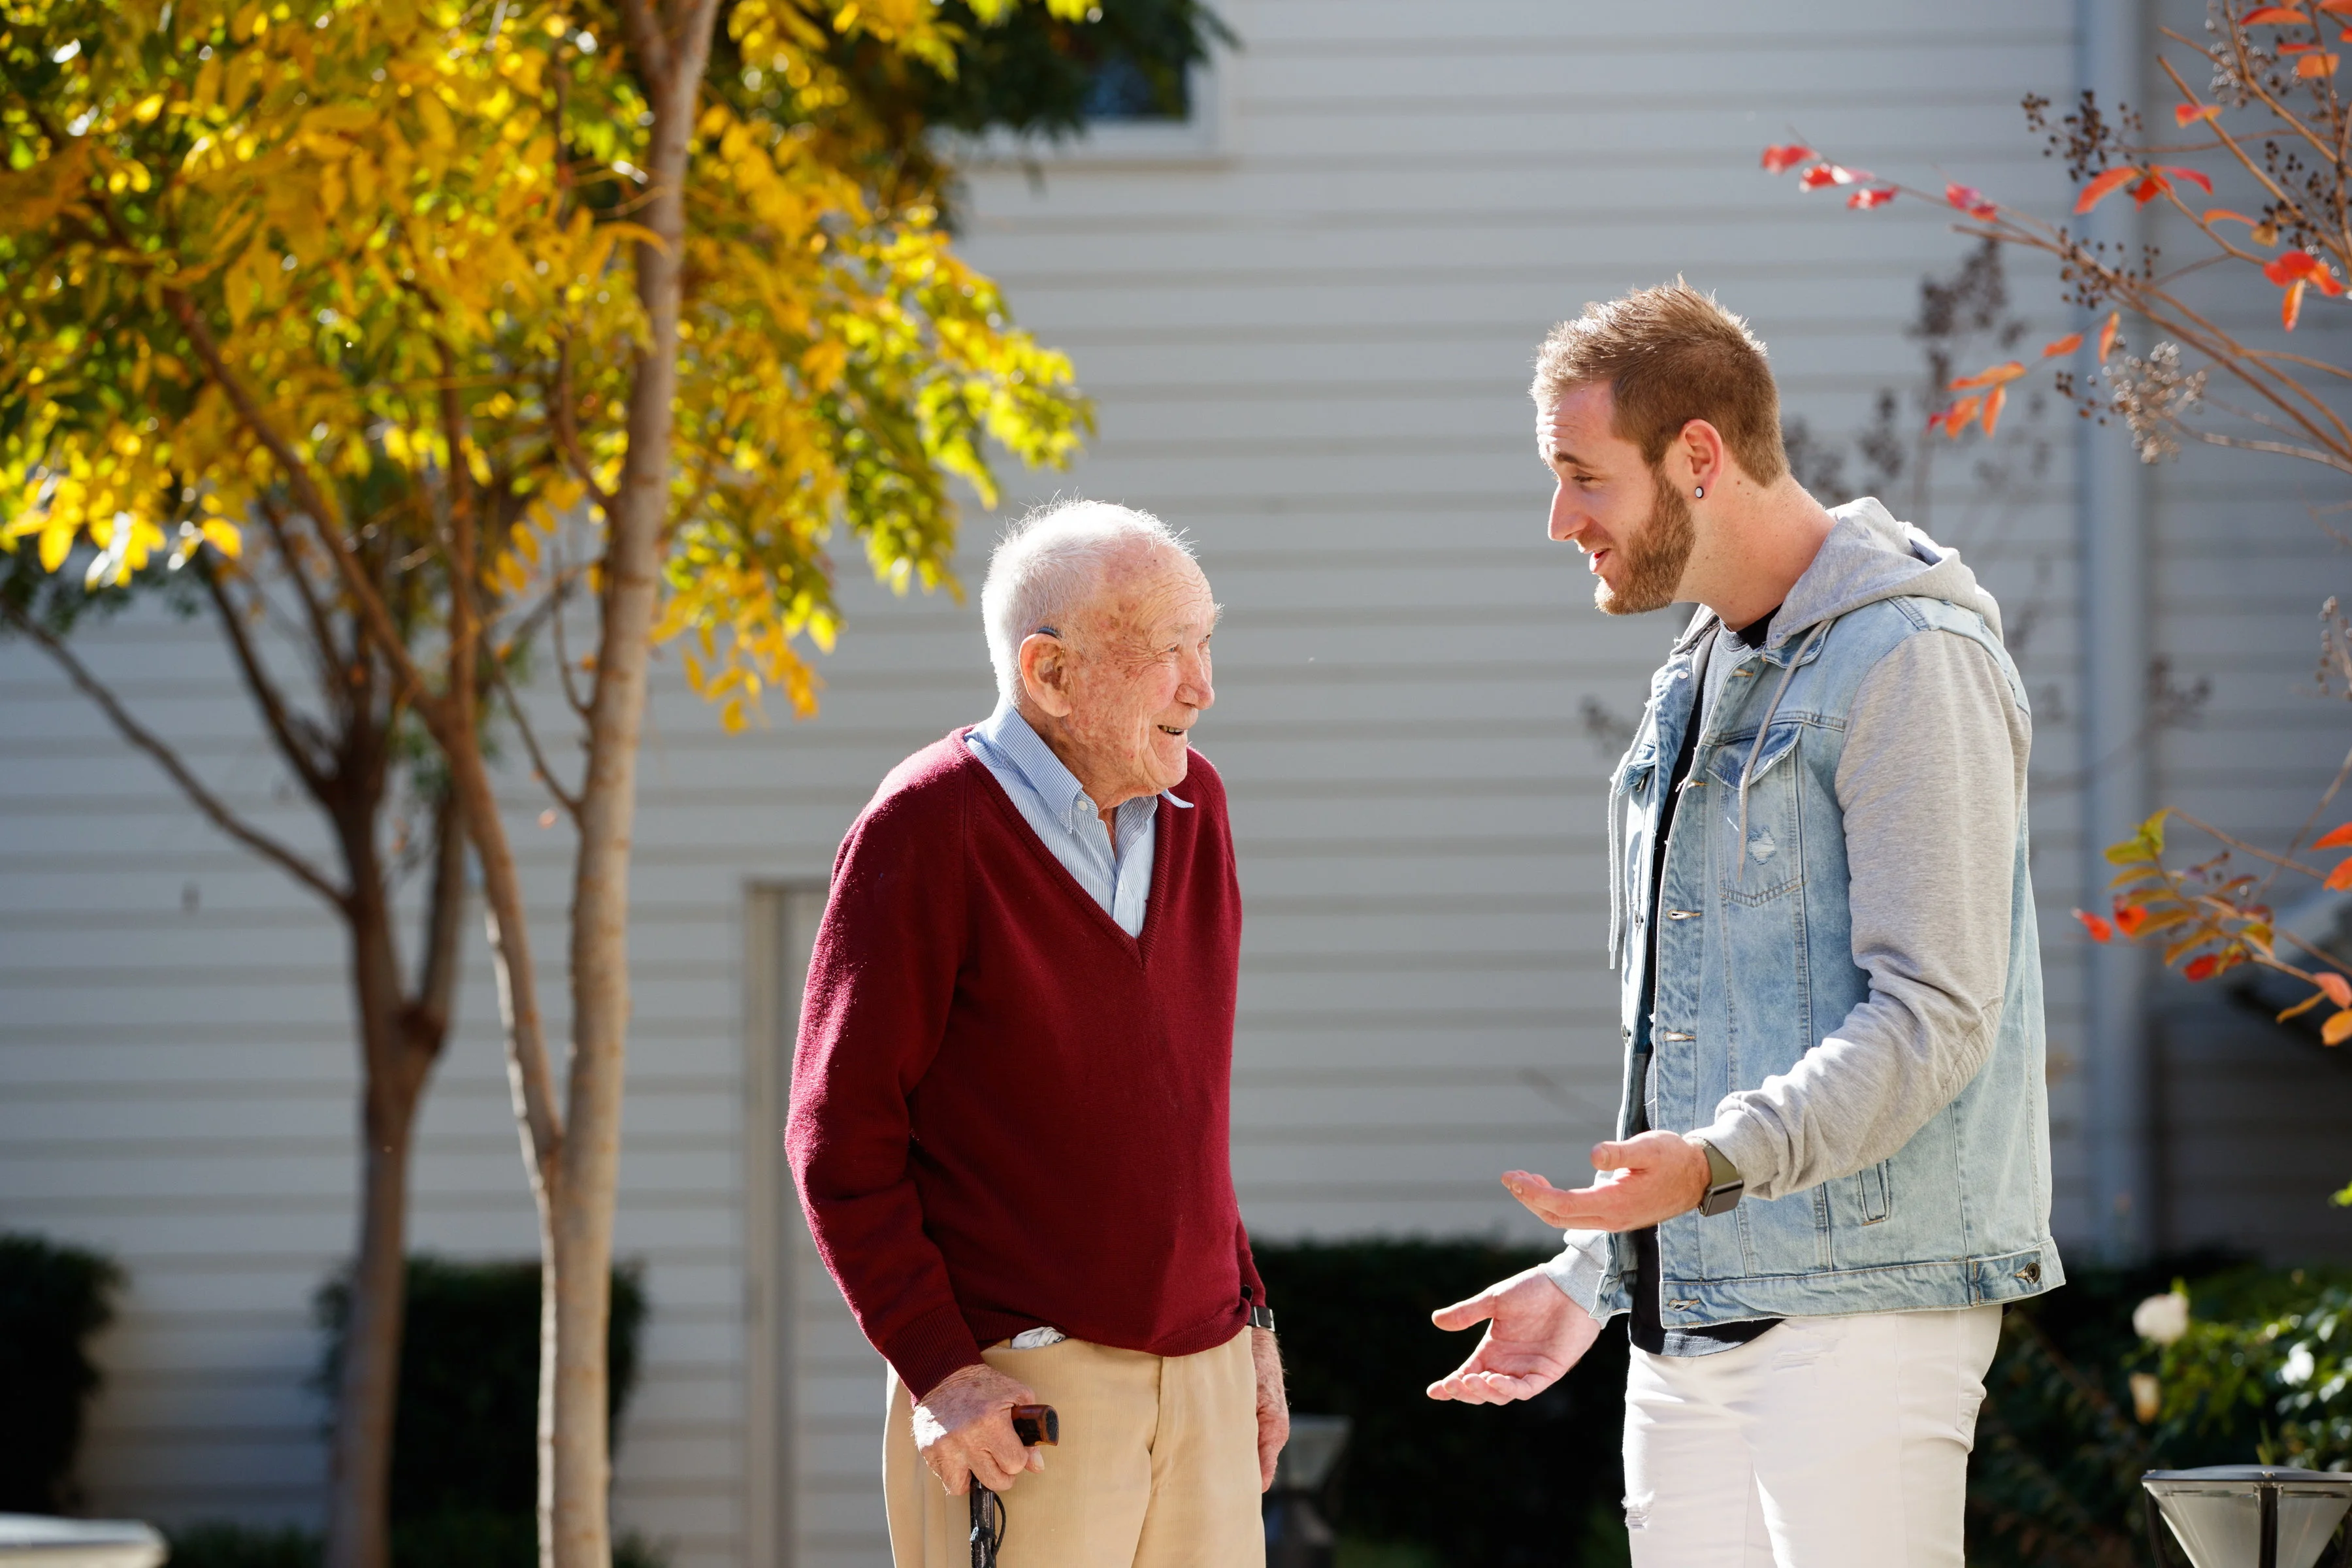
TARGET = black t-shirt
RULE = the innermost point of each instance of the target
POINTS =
(1645, 1323)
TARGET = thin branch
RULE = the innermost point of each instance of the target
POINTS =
(146, 740)
(2283, 863)
(2334, 784)
(567, 429)
(567, 801)
(294, 733)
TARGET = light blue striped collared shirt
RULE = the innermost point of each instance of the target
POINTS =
(1066, 820)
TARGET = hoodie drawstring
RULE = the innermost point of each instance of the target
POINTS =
(1739, 877)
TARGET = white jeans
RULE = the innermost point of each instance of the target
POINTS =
(1825, 1443)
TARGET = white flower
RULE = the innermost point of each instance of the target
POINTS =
(2297, 1368)
(2162, 1319)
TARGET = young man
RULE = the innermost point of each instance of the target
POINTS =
(1009, 1119)
(1832, 1160)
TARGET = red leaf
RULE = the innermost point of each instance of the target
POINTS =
(2290, 308)
(2102, 187)
(1821, 175)
(2150, 187)
(2289, 266)
(1780, 160)
(1971, 200)
(2201, 968)
(2336, 838)
(1993, 401)
(2336, 1029)
(2339, 989)
(2065, 345)
(2184, 113)
(1992, 377)
(2194, 176)
(2341, 877)
(2317, 65)
(2129, 918)
(2098, 925)
(2271, 16)
(1865, 200)
(2107, 334)
(2296, 48)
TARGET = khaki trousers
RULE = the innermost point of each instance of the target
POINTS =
(1157, 1467)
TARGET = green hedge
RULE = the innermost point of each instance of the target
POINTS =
(1493, 1485)
(53, 1300)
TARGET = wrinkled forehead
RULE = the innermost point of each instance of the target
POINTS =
(1153, 589)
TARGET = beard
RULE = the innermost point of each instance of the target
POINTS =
(1655, 554)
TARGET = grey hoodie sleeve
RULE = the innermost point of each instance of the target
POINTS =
(1931, 785)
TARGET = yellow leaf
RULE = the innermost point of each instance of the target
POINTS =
(56, 543)
(2338, 1029)
(223, 536)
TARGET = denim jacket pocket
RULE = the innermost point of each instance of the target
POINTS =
(1761, 853)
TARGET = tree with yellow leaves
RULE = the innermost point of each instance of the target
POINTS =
(408, 323)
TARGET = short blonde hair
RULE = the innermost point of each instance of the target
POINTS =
(1670, 356)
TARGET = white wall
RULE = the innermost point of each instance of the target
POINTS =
(1308, 342)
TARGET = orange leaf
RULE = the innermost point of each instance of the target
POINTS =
(2184, 113)
(1780, 160)
(2218, 214)
(2336, 7)
(1971, 200)
(2098, 925)
(1865, 200)
(2292, 305)
(2317, 66)
(2194, 176)
(2271, 16)
(2107, 334)
(1992, 377)
(1957, 418)
(2338, 837)
(2284, 269)
(2339, 989)
(2336, 1029)
(2201, 968)
(2341, 877)
(1993, 401)
(2296, 48)
(1821, 175)
(2065, 345)
(2129, 918)
(2106, 185)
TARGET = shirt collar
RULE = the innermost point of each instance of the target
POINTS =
(1012, 738)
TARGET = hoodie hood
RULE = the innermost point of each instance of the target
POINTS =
(1869, 556)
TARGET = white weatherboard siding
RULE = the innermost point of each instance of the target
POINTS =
(1307, 331)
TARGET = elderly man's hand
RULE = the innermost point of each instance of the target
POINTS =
(963, 1429)
(1534, 1334)
(1642, 1180)
(1273, 1404)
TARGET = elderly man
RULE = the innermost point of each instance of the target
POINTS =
(1009, 1120)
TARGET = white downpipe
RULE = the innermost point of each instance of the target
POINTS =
(2112, 61)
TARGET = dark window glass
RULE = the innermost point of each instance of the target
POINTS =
(1119, 89)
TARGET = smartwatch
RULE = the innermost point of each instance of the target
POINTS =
(1724, 1185)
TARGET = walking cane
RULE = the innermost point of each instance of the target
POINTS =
(1035, 1426)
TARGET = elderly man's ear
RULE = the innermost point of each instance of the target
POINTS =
(1046, 673)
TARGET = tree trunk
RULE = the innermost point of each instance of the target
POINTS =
(360, 1477)
(401, 1040)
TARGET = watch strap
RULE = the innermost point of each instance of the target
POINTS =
(1724, 1185)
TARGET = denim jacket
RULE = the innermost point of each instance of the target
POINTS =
(1756, 965)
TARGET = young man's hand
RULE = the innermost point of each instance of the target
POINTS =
(1534, 1334)
(1273, 1404)
(1644, 1179)
(963, 1430)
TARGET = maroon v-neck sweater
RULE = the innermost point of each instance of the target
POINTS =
(1006, 1112)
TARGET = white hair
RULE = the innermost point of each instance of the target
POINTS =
(1049, 563)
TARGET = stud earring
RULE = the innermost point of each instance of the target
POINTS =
(1698, 493)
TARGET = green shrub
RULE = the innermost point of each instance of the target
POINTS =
(1494, 1486)
(53, 1299)
(465, 1437)
(242, 1546)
